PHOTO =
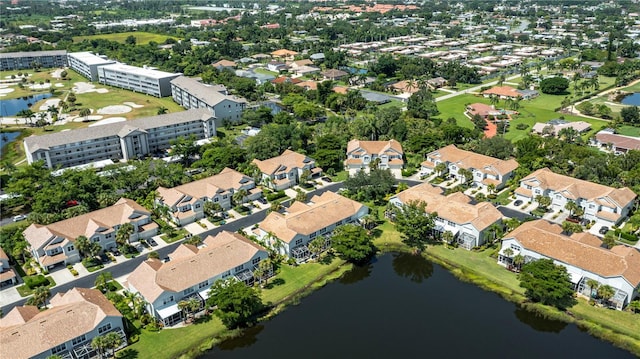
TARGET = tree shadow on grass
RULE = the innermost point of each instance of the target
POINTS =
(127, 354)
(274, 283)
(327, 258)
(203, 319)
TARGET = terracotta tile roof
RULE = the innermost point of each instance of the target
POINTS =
(506, 91)
(575, 188)
(455, 207)
(545, 238)
(341, 90)
(190, 265)
(123, 211)
(321, 212)
(334, 74)
(283, 163)
(54, 259)
(610, 216)
(3, 254)
(74, 313)
(299, 63)
(7, 274)
(523, 191)
(481, 109)
(283, 53)
(472, 160)
(224, 63)
(374, 147)
(285, 79)
(309, 85)
(406, 86)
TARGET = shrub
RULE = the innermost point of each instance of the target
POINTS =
(273, 196)
(36, 281)
(522, 126)
(74, 272)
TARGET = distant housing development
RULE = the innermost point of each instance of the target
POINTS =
(86, 64)
(191, 271)
(581, 254)
(468, 222)
(302, 222)
(185, 203)
(485, 170)
(191, 93)
(54, 244)
(28, 60)
(122, 140)
(139, 79)
(66, 329)
(387, 154)
(605, 205)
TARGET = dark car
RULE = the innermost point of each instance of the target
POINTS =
(262, 200)
(104, 258)
(326, 179)
(115, 251)
(604, 230)
(152, 242)
(518, 202)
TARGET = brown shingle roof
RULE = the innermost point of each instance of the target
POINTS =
(545, 238)
(468, 160)
(374, 147)
(283, 163)
(323, 211)
(619, 141)
(505, 91)
(74, 313)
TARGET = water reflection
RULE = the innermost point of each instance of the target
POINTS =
(357, 274)
(538, 322)
(411, 266)
(248, 338)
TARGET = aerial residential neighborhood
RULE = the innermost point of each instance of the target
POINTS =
(174, 174)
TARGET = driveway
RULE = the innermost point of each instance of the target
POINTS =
(512, 213)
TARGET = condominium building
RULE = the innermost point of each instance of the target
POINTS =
(8, 276)
(457, 213)
(64, 330)
(387, 155)
(606, 206)
(54, 243)
(27, 60)
(284, 171)
(191, 93)
(185, 203)
(86, 64)
(583, 256)
(191, 271)
(138, 79)
(122, 140)
(484, 170)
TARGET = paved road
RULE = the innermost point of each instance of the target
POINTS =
(512, 213)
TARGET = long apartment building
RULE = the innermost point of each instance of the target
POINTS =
(191, 93)
(122, 140)
(86, 64)
(138, 79)
(27, 59)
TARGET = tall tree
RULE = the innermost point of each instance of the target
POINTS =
(547, 283)
(415, 225)
(236, 302)
(352, 243)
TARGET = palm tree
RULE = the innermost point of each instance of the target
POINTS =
(369, 221)
(593, 286)
(162, 110)
(447, 237)
(496, 229)
(112, 341)
(466, 175)
(634, 306)
(275, 207)
(491, 188)
(100, 344)
(571, 206)
(440, 168)
(83, 244)
(518, 261)
(85, 112)
(606, 292)
(494, 100)
(266, 266)
(239, 196)
(124, 234)
(316, 246)
(507, 252)
(135, 302)
(40, 296)
(102, 281)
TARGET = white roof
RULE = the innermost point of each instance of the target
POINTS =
(89, 58)
(141, 71)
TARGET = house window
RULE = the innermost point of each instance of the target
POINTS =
(299, 241)
(256, 261)
(591, 206)
(167, 300)
(238, 268)
(323, 230)
(70, 248)
(78, 340)
(226, 274)
(203, 284)
(515, 247)
(58, 348)
(557, 196)
(187, 291)
(312, 235)
(106, 327)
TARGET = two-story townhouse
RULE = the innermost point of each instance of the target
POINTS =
(606, 206)
(285, 171)
(191, 271)
(387, 154)
(7, 274)
(469, 223)
(65, 329)
(191, 93)
(290, 232)
(185, 203)
(54, 243)
(485, 170)
(583, 256)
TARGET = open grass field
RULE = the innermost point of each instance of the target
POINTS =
(628, 131)
(37, 78)
(142, 38)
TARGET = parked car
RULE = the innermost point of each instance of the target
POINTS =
(152, 242)
(573, 219)
(262, 200)
(105, 258)
(518, 202)
(604, 230)
(115, 251)
(20, 217)
(326, 179)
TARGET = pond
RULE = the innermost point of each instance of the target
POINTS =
(632, 99)
(404, 306)
(7, 137)
(13, 106)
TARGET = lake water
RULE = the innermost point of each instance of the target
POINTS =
(633, 99)
(403, 306)
(13, 106)
(7, 137)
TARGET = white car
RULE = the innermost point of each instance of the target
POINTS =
(20, 217)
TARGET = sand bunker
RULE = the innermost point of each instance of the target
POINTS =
(39, 86)
(5, 91)
(114, 110)
(108, 121)
(57, 73)
(85, 87)
(49, 102)
(133, 104)
(58, 84)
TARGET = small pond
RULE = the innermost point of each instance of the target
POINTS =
(13, 106)
(7, 137)
(632, 99)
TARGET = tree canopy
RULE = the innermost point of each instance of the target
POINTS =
(237, 303)
(554, 85)
(353, 244)
(415, 225)
(547, 283)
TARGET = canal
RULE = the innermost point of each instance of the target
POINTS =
(405, 306)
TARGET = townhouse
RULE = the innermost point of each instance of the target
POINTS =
(386, 154)
(185, 204)
(581, 253)
(606, 206)
(484, 170)
(123, 140)
(8, 276)
(191, 93)
(286, 170)
(290, 232)
(138, 79)
(65, 329)
(469, 222)
(191, 271)
(54, 244)
(86, 64)
(607, 140)
(28, 59)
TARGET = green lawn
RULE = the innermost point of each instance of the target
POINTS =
(628, 131)
(25, 291)
(177, 235)
(142, 38)
(37, 77)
